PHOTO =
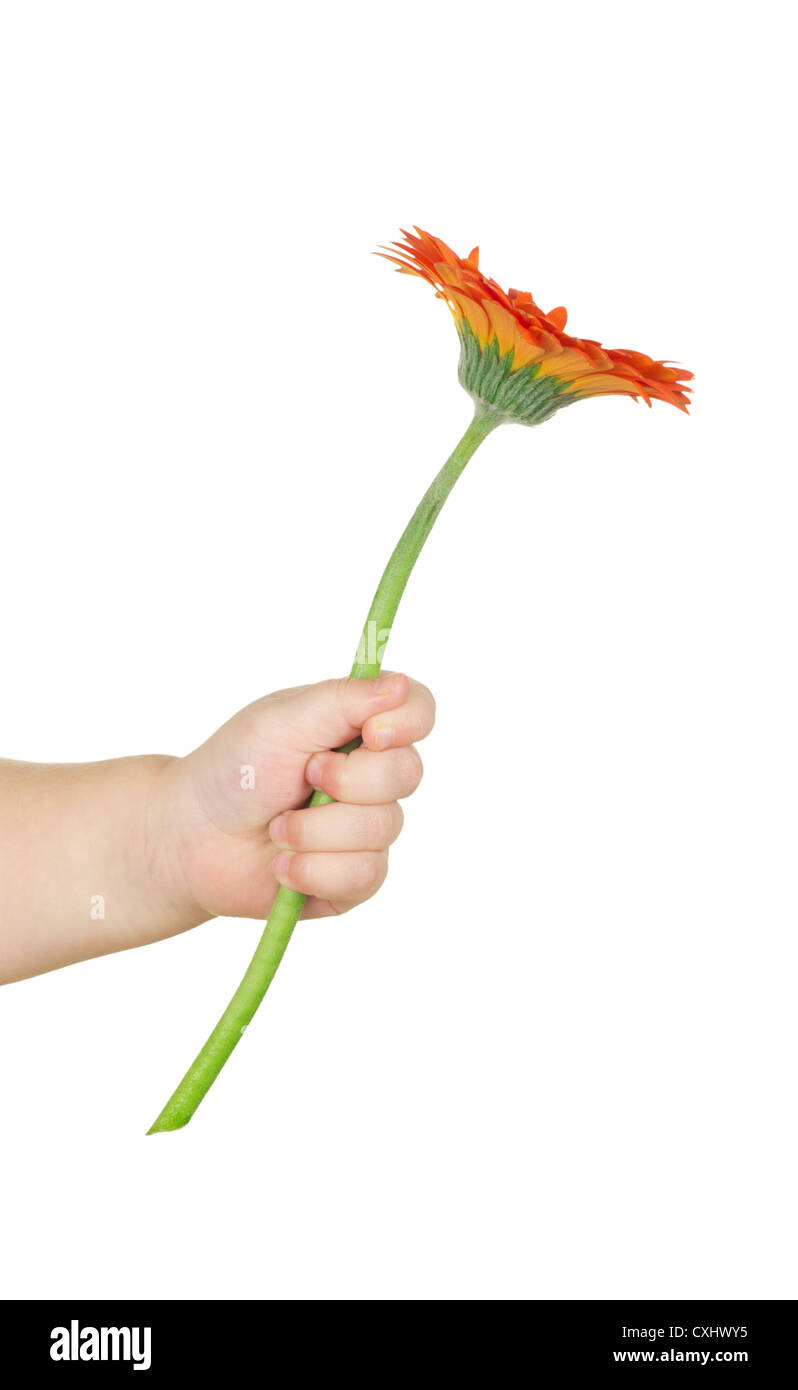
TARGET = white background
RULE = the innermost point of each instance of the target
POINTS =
(555, 1057)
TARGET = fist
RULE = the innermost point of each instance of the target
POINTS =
(235, 822)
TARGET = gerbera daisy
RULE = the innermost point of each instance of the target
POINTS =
(515, 358)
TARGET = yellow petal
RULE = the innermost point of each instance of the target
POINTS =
(504, 326)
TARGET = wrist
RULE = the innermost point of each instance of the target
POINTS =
(163, 835)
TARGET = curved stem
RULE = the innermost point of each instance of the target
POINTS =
(288, 904)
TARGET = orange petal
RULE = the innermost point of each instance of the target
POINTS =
(558, 317)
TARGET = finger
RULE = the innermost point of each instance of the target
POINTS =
(333, 712)
(347, 878)
(364, 777)
(338, 827)
(406, 723)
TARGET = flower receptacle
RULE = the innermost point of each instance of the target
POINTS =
(522, 395)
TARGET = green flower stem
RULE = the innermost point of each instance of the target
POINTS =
(287, 904)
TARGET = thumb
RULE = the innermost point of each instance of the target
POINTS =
(317, 717)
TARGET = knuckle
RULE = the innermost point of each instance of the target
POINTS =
(337, 693)
(341, 689)
(432, 709)
(426, 701)
(396, 819)
(383, 824)
(412, 770)
(424, 708)
(368, 873)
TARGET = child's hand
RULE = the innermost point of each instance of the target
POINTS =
(229, 817)
(99, 857)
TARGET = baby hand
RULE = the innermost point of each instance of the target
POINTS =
(230, 810)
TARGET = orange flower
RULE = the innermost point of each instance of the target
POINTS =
(519, 360)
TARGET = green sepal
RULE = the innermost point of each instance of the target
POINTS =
(522, 395)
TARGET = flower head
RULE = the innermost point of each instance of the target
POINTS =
(518, 360)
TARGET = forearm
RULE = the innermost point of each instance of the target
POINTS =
(83, 865)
